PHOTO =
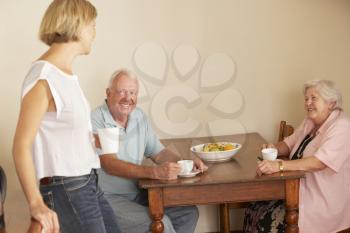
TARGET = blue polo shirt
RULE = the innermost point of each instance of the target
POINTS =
(136, 141)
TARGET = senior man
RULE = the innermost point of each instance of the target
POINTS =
(120, 172)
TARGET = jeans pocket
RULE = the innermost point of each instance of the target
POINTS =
(83, 199)
(48, 199)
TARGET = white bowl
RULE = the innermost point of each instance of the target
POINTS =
(215, 156)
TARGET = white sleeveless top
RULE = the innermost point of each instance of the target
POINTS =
(63, 145)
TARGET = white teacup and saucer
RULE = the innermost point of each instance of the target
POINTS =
(187, 168)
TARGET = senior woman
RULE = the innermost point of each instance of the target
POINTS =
(321, 147)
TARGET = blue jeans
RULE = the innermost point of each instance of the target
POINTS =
(80, 205)
(133, 215)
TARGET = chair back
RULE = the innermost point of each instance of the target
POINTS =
(285, 130)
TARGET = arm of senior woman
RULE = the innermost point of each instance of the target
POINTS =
(306, 164)
(34, 105)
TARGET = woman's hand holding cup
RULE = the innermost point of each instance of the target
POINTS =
(268, 145)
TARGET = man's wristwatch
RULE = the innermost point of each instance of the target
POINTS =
(280, 165)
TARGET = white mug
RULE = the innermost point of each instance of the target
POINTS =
(269, 153)
(109, 140)
(186, 166)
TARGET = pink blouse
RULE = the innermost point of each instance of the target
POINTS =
(324, 196)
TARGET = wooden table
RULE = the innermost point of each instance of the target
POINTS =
(232, 181)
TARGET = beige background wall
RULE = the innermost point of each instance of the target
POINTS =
(276, 45)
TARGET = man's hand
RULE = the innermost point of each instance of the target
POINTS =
(199, 165)
(167, 171)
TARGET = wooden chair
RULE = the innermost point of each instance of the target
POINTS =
(284, 131)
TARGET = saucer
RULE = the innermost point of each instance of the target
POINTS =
(191, 174)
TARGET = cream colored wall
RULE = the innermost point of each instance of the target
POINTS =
(276, 45)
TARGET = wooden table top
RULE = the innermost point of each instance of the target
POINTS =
(241, 168)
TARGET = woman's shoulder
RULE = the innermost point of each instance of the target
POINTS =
(38, 68)
(343, 119)
(36, 72)
(42, 69)
(339, 124)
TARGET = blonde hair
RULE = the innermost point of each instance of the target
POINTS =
(63, 20)
(327, 91)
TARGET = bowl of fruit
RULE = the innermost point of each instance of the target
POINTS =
(216, 152)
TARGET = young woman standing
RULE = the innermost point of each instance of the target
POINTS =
(53, 142)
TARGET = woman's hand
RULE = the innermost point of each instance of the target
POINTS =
(267, 167)
(46, 217)
(269, 145)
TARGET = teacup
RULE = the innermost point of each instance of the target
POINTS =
(269, 153)
(186, 166)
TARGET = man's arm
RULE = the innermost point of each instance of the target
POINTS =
(117, 167)
(167, 155)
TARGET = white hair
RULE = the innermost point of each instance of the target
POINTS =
(120, 72)
(327, 91)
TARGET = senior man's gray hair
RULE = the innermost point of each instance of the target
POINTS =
(327, 91)
(120, 72)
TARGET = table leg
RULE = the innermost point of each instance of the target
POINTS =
(224, 218)
(156, 208)
(292, 206)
